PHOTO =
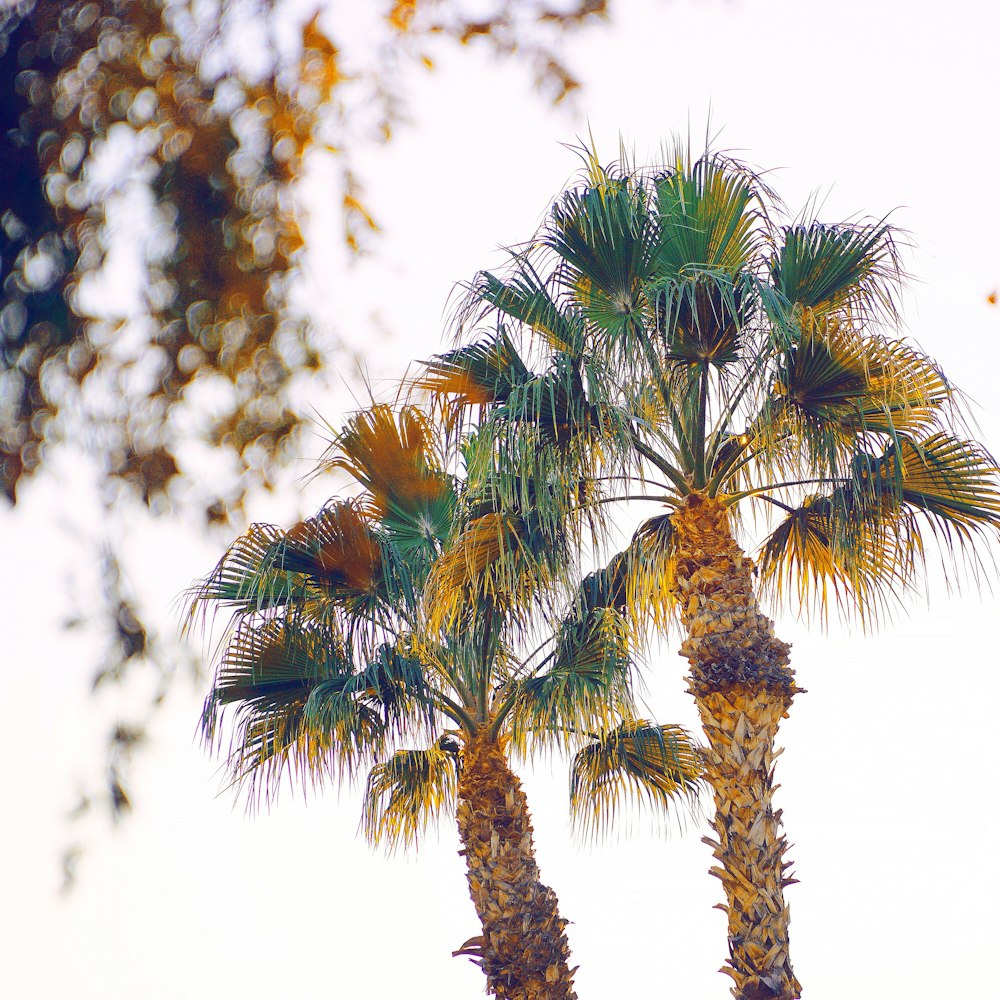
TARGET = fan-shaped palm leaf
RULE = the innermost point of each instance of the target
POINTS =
(409, 792)
(497, 560)
(337, 548)
(950, 480)
(839, 268)
(824, 552)
(842, 384)
(709, 212)
(392, 455)
(589, 681)
(608, 245)
(657, 764)
(525, 298)
(266, 677)
(483, 372)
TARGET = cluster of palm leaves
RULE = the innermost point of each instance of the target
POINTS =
(424, 610)
(666, 338)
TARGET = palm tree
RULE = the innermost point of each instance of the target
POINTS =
(397, 616)
(665, 338)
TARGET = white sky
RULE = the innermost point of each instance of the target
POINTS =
(890, 771)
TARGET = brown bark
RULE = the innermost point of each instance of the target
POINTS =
(523, 949)
(743, 686)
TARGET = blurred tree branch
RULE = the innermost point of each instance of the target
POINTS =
(149, 242)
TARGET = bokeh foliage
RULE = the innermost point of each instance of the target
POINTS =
(151, 237)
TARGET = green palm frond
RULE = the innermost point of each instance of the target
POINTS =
(249, 577)
(658, 765)
(482, 373)
(409, 793)
(555, 403)
(950, 480)
(392, 685)
(710, 214)
(607, 243)
(266, 676)
(535, 452)
(606, 587)
(588, 682)
(524, 297)
(838, 268)
(702, 319)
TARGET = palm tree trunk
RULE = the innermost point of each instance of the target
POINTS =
(523, 949)
(743, 686)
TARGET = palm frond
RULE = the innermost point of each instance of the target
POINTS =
(499, 560)
(954, 482)
(709, 211)
(392, 685)
(249, 577)
(701, 318)
(861, 546)
(587, 683)
(607, 244)
(337, 548)
(265, 678)
(637, 582)
(393, 455)
(842, 268)
(852, 383)
(479, 374)
(409, 793)
(555, 403)
(659, 765)
(524, 297)
(651, 568)
(832, 552)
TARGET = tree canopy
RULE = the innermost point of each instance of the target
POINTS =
(673, 336)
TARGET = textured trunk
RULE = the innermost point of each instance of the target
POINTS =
(523, 948)
(743, 687)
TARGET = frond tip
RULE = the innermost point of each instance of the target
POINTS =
(658, 764)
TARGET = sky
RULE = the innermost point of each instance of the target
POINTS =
(890, 766)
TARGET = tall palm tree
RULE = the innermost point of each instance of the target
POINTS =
(397, 616)
(665, 338)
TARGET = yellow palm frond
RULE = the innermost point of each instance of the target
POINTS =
(393, 456)
(822, 554)
(659, 765)
(489, 562)
(651, 573)
(408, 793)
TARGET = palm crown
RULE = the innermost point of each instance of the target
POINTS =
(683, 335)
(666, 338)
(397, 616)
